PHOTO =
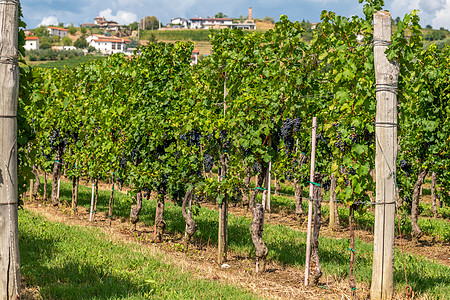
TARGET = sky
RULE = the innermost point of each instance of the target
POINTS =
(52, 12)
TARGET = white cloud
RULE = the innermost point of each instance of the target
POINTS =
(122, 17)
(431, 6)
(442, 18)
(52, 20)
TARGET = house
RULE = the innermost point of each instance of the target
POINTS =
(31, 43)
(107, 44)
(194, 56)
(179, 23)
(101, 22)
(218, 23)
(208, 23)
(61, 32)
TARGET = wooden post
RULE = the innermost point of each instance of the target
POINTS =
(310, 203)
(9, 80)
(223, 207)
(92, 202)
(386, 76)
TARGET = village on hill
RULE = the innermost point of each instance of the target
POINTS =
(108, 37)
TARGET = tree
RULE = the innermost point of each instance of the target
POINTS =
(269, 19)
(429, 26)
(220, 15)
(72, 30)
(150, 23)
(41, 31)
(67, 41)
(134, 26)
(81, 43)
(44, 46)
(83, 30)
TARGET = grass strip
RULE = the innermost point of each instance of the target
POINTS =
(286, 245)
(72, 262)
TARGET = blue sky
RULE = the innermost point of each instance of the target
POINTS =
(51, 12)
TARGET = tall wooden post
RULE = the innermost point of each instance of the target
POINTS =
(386, 75)
(9, 80)
(310, 203)
(223, 207)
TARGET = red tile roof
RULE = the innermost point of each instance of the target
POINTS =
(58, 28)
(31, 38)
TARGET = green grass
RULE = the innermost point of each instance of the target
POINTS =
(286, 246)
(71, 262)
(69, 63)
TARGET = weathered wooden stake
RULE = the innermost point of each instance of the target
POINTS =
(9, 80)
(386, 75)
(310, 203)
(31, 189)
(91, 212)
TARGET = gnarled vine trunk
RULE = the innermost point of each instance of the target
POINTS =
(56, 174)
(37, 183)
(416, 233)
(433, 195)
(45, 186)
(75, 181)
(246, 189)
(136, 209)
(111, 203)
(257, 225)
(316, 269)
(277, 186)
(160, 224)
(96, 196)
(334, 214)
(298, 192)
(298, 189)
(191, 226)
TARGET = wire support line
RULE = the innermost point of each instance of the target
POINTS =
(381, 43)
(385, 124)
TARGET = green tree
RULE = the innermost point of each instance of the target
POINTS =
(72, 30)
(67, 41)
(269, 19)
(150, 23)
(220, 15)
(81, 43)
(133, 26)
(83, 30)
(45, 45)
(41, 31)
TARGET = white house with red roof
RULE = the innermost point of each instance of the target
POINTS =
(61, 32)
(207, 23)
(107, 44)
(31, 43)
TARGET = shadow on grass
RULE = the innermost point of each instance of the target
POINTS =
(68, 279)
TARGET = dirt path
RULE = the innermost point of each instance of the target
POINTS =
(279, 282)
